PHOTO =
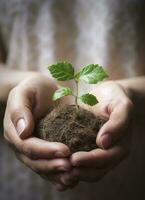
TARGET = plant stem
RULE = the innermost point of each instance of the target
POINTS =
(76, 95)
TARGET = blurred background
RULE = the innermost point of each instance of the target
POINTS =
(34, 34)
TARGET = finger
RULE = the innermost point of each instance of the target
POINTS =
(68, 179)
(60, 187)
(45, 166)
(98, 158)
(33, 147)
(116, 126)
(10, 134)
(36, 148)
(20, 106)
(90, 174)
(54, 179)
(64, 178)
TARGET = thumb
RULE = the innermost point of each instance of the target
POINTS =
(25, 125)
(116, 126)
(21, 116)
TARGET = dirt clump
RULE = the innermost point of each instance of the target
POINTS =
(75, 128)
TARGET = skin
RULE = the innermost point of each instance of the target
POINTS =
(28, 101)
(113, 138)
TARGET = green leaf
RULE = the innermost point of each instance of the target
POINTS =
(64, 91)
(62, 71)
(89, 99)
(91, 74)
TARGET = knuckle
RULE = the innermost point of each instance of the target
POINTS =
(97, 160)
(40, 169)
(93, 154)
(56, 167)
(27, 150)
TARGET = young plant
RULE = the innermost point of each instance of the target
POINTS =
(91, 74)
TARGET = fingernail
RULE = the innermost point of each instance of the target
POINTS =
(106, 141)
(20, 126)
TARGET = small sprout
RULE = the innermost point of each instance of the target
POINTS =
(91, 74)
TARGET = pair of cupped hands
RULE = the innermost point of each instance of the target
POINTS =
(30, 100)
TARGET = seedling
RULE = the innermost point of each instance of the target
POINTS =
(91, 74)
(76, 128)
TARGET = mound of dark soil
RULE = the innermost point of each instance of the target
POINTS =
(76, 129)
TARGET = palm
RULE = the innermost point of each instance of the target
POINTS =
(114, 136)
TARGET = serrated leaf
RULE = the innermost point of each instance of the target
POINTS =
(62, 71)
(89, 99)
(91, 74)
(64, 91)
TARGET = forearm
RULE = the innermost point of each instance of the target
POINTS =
(136, 90)
(9, 78)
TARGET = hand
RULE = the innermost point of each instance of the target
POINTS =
(113, 139)
(28, 102)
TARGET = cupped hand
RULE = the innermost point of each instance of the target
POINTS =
(113, 139)
(27, 103)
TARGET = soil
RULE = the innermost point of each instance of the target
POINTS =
(76, 129)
